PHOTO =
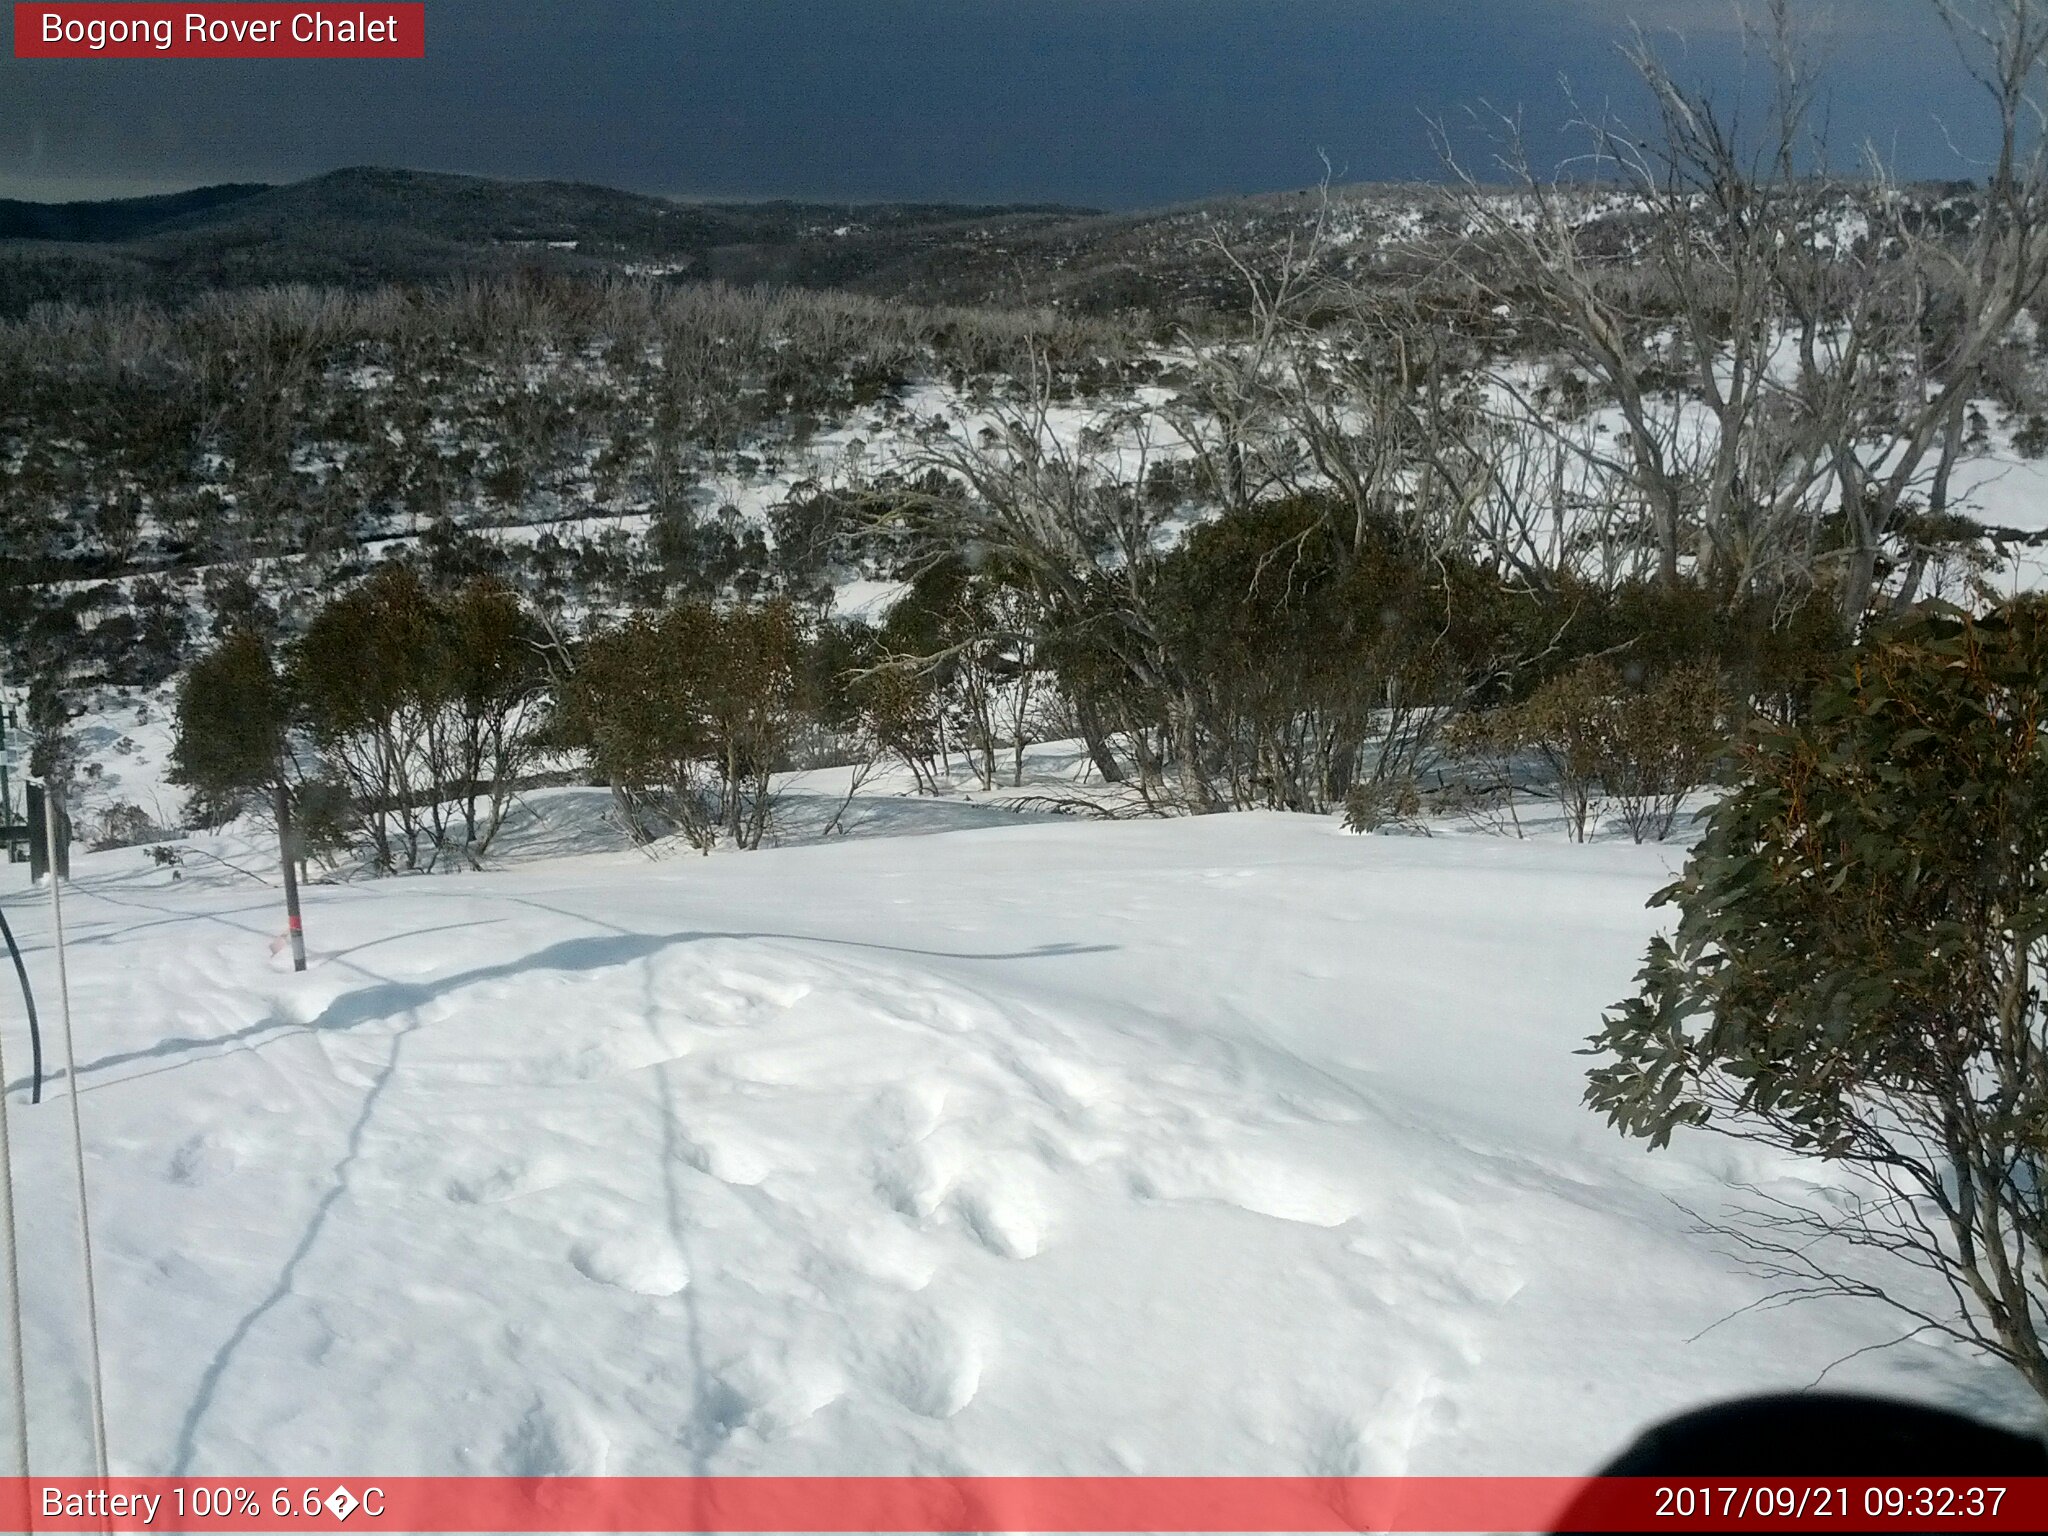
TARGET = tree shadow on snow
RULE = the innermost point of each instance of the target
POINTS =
(387, 997)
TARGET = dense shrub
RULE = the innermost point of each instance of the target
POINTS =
(124, 825)
(1598, 736)
(1855, 974)
(688, 713)
(1308, 657)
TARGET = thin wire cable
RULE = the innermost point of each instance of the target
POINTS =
(16, 1361)
(28, 1001)
(92, 1305)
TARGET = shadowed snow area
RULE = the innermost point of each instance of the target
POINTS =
(1224, 1145)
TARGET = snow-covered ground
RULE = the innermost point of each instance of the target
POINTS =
(1235, 1144)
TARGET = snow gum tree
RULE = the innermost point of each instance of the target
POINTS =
(630, 706)
(233, 717)
(483, 737)
(233, 741)
(364, 675)
(1855, 977)
(424, 708)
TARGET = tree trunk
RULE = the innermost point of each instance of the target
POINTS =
(1195, 785)
(732, 793)
(1097, 742)
(1859, 577)
(286, 857)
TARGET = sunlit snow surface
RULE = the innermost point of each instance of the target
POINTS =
(1236, 1144)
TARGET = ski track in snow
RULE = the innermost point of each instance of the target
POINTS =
(1230, 1145)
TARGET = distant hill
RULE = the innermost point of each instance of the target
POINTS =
(125, 218)
(365, 226)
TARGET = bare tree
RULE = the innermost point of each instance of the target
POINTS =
(1967, 293)
(1067, 513)
(1776, 342)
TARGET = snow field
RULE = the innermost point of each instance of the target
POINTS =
(1226, 1145)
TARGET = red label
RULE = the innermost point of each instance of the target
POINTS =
(215, 31)
(1687, 1506)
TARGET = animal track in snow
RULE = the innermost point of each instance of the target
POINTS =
(1005, 1215)
(1264, 1186)
(916, 1180)
(935, 1368)
(202, 1158)
(737, 997)
(768, 1391)
(499, 1181)
(728, 1159)
(909, 1111)
(645, 1264)
(554, 1440)
(884, 1250)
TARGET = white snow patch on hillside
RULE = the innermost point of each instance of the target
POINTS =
(121, 743)
(867, 601)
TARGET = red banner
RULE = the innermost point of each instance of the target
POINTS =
(1052, 1504)
(216, 31)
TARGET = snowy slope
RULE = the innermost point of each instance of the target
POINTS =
(1221, 1145)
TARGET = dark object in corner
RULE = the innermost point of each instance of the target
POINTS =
(1824, 1434)
(1827, 1434)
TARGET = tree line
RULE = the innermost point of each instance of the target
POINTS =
(1264, 662)
(296, 421)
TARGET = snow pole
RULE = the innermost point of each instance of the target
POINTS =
(92, 1307)
(16, 1363)
(283, 803)
(28, 1001)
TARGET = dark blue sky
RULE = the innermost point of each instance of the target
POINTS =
(1116, 103)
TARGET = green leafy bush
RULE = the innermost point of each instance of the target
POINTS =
(1856, 975)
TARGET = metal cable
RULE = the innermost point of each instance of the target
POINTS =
(16, 1361)
(28, 1001)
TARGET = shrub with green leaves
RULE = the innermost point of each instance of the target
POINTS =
(1856, 977)
(233, 716)
(689, 712)
(404, 716)
(1662, 743)
(1645, 746)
